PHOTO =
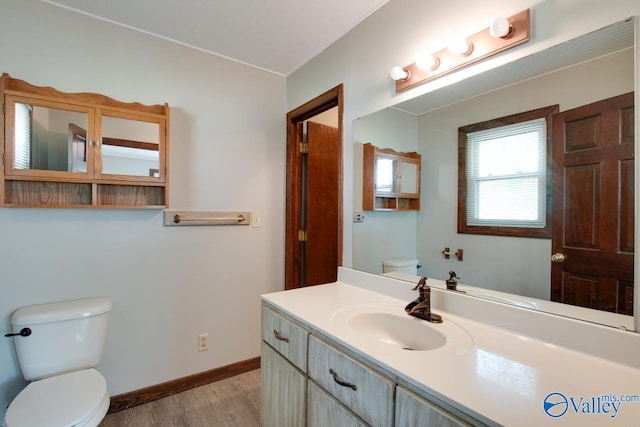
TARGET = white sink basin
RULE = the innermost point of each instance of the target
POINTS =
(391, 328)
(399, 332)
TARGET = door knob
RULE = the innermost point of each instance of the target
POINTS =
(558, 257)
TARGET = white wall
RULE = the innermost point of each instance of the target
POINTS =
(397, 31)
(168, 284)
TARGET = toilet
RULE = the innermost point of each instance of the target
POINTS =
(59, 346)
(402, 265)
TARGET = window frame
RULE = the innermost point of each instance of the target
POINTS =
(463, 228)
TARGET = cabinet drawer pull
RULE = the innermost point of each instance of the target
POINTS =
(280, 337)
(342, 382)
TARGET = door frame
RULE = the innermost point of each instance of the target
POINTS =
(295, 118)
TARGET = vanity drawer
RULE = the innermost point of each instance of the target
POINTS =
(286, 337)
(365, 392)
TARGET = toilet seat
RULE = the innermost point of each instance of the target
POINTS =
(75, 399)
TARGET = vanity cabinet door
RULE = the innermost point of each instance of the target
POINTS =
(286, 337)
(412, 410)
(323, 410)
(365, 392)
(283, 397)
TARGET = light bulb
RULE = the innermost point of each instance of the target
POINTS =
(500, 28)
(427, 62)
(399, 73)
(460, 47)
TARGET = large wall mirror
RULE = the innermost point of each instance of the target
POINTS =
(590, 68)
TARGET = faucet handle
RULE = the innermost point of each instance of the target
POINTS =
(422, 283)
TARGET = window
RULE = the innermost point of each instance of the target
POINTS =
(22, 156)
(504, 175)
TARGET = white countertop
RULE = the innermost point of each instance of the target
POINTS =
(503, 376)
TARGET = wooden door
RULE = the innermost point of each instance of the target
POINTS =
(593, 205)
(322, 205)
(314, 196)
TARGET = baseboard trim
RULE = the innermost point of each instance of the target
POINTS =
(151, 393)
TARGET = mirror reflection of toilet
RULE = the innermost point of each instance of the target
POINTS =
(405, 268)
(58, 345)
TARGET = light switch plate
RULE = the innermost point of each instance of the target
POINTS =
(256, 219)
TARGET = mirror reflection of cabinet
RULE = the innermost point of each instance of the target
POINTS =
(391, 179)
(81, 150)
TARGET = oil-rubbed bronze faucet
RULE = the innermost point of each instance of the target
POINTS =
(451, 282)
(421, 306)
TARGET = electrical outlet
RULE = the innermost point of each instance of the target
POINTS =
(203, 342)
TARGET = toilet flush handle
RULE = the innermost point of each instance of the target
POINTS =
(24, 332)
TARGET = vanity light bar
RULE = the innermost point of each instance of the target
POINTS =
(502, 35)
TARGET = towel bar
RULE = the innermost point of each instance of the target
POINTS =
(206, 218)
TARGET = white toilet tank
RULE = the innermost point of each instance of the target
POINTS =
(65, 336)
(401, 265)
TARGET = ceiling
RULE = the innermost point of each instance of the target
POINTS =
(274, 35)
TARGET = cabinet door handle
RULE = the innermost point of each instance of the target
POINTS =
(280, 337)
(342, 382)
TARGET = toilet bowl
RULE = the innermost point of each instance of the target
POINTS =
(75, 399)
(64, 343)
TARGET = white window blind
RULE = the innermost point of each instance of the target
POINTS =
(506, 175)
(22, 137)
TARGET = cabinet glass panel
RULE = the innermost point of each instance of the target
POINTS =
(409, 180)
(130, 147)
(49, 139)
(384, 175)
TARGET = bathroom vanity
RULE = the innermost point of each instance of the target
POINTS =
(346, 353)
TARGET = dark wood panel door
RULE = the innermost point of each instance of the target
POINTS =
(593, 205)
(314, 174)
(322, 205)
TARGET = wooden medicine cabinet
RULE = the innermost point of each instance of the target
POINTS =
(81, 150)
(391, 180)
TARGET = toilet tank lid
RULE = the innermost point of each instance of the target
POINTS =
(400, 262)
(59, 311)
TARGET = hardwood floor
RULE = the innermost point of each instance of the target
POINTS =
(233, 401)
